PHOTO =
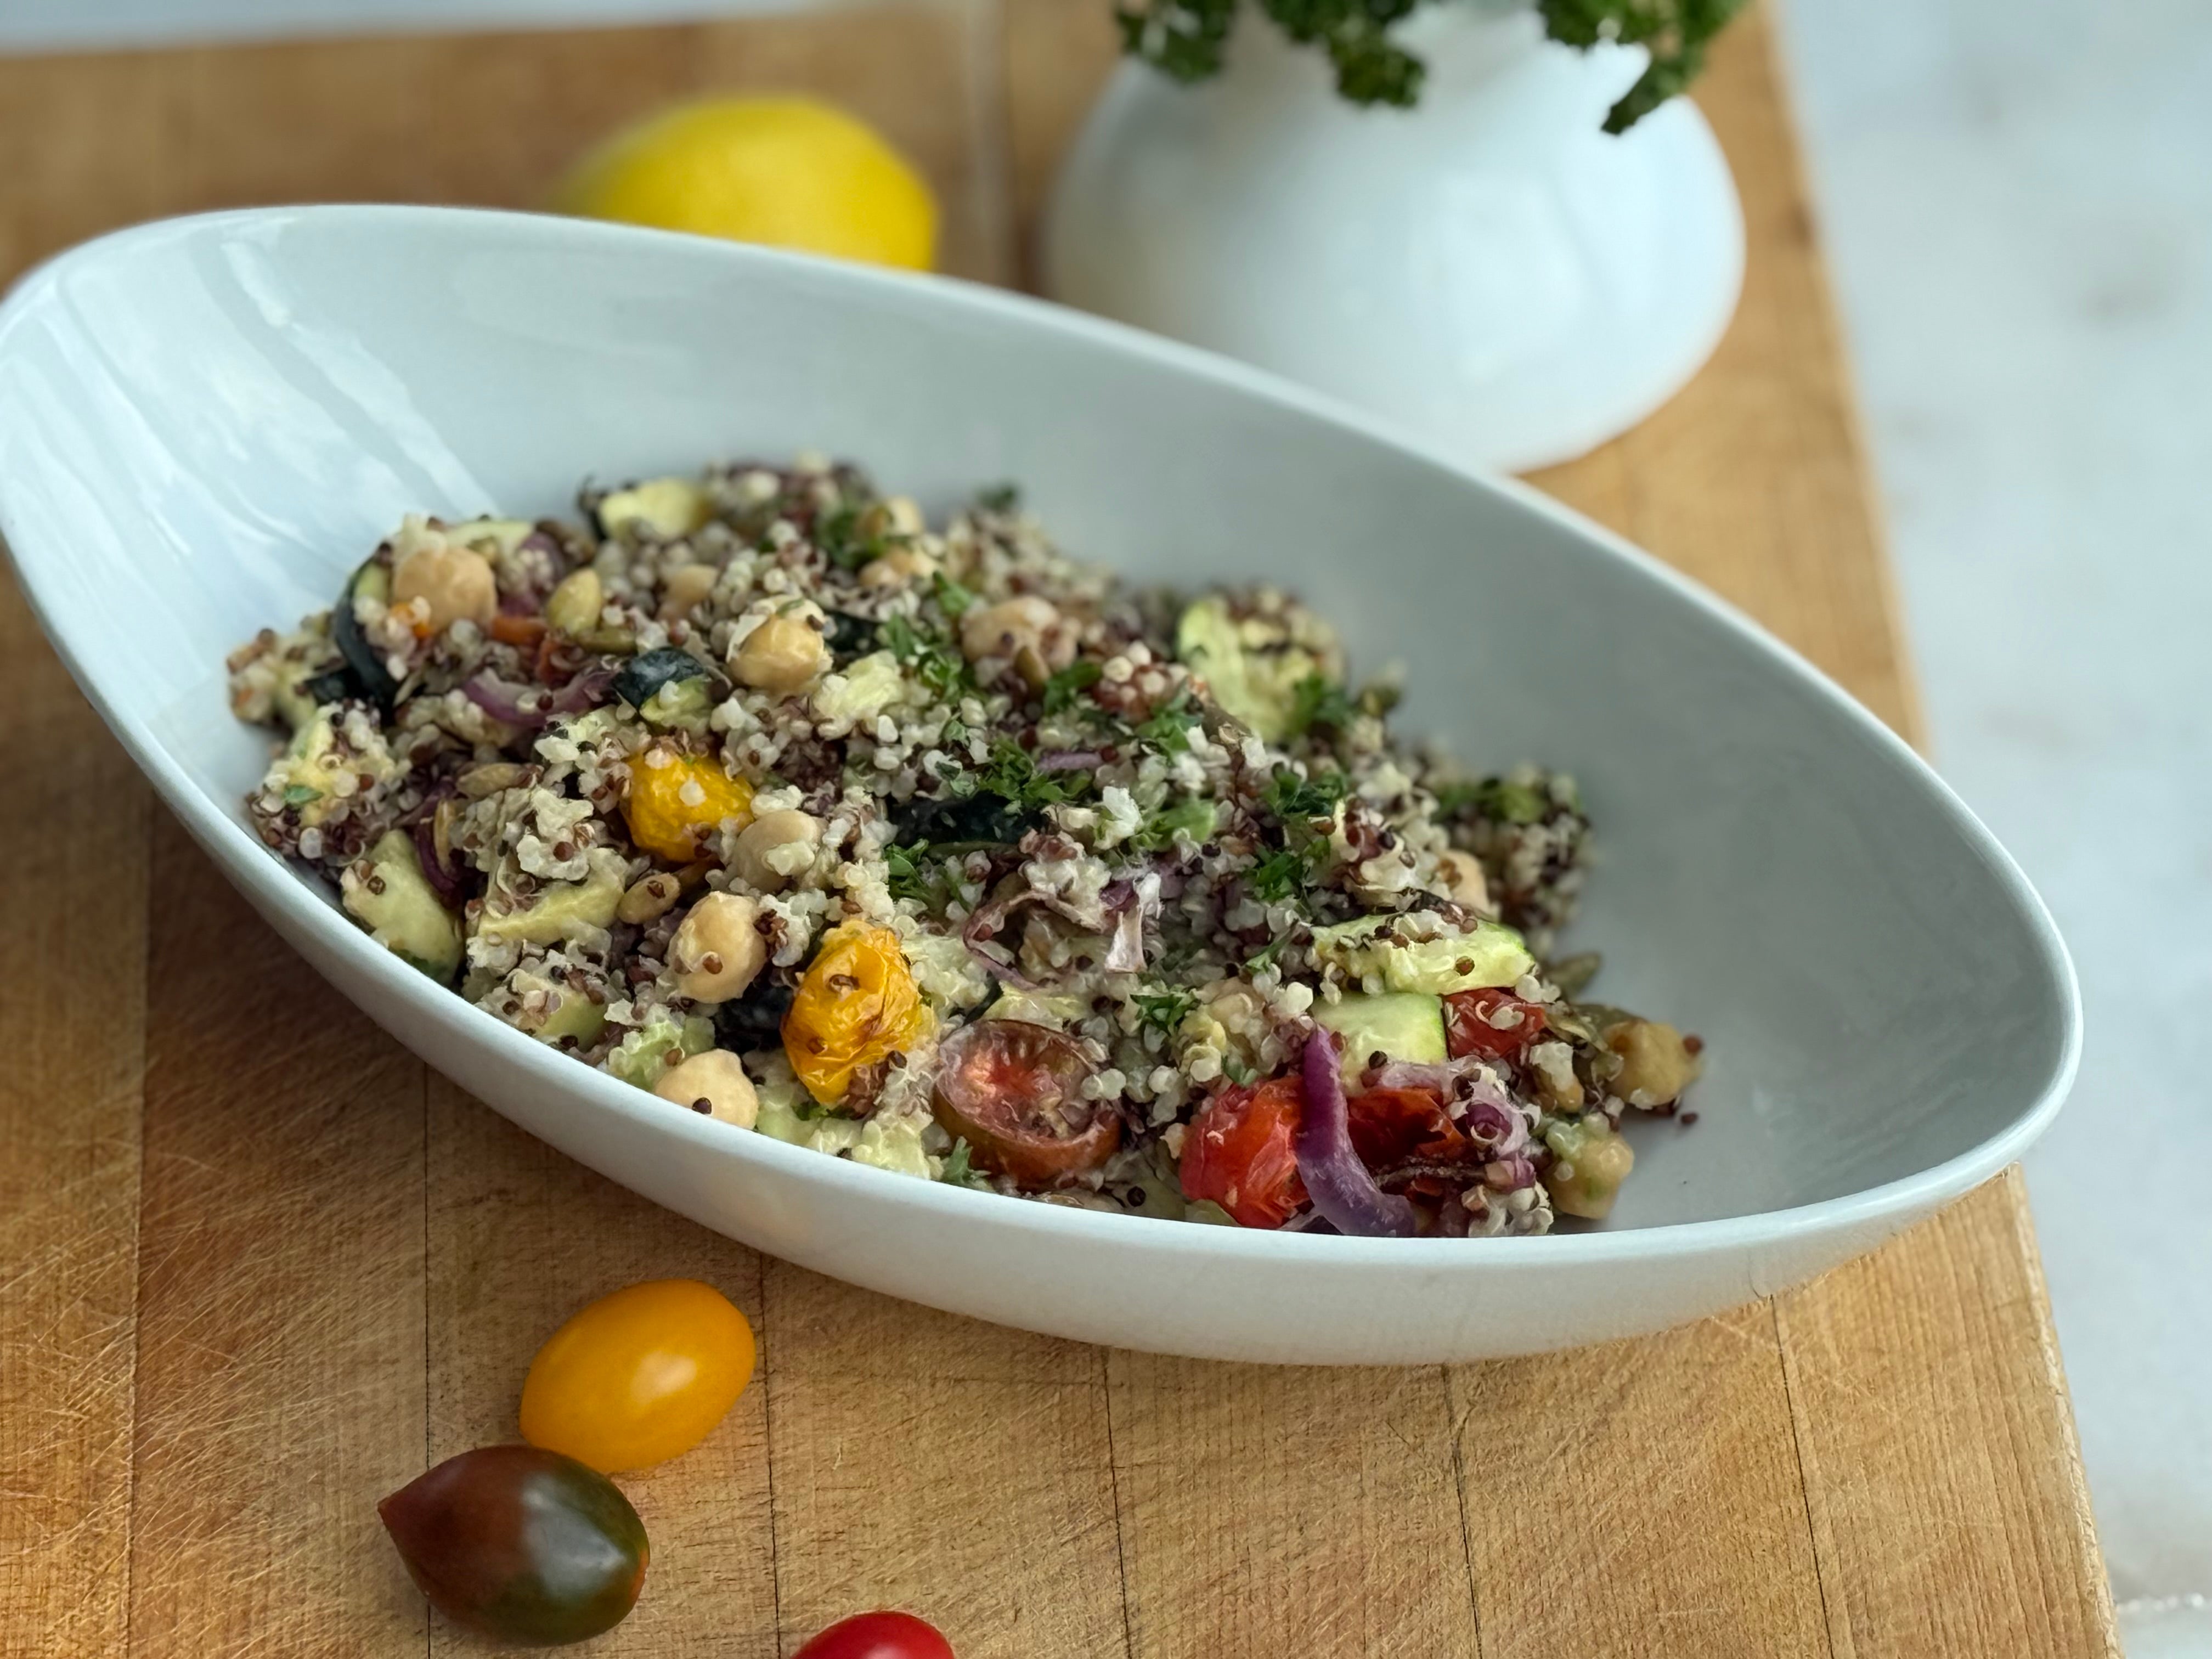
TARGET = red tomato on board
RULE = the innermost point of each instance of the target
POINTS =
(1241, 1153)
(1468, 1027)
(879, 1636)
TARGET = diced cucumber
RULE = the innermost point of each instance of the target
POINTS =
(1490, 954)
(1408, 1025)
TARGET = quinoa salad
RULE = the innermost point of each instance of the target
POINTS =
(930, 847)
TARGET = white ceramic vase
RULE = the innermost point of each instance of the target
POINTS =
(1490, 271)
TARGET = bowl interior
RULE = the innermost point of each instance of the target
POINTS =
(204, 424)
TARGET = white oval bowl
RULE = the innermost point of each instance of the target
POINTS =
(205, 422)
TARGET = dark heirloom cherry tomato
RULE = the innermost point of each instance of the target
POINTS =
(1468, 1027)
(878, 1636)
(520, 1544)
(1013, 1091)
(1241, 1153)
(1389, 1125)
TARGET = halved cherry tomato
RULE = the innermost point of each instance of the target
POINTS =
(879, 1636)
(1013, 1091)
(525, 631)
(1495, 1024)
(1241, 1153)
(856, 1004)
(676, 801)
(1389, 1125)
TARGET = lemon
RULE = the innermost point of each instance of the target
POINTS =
(790, 172)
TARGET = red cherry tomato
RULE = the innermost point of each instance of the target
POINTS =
(1013, 1091)
(879, 1636)
(1389, 1125)
(1241, 1153)
(1474, 1024)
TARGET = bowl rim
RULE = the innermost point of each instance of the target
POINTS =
(275, 884)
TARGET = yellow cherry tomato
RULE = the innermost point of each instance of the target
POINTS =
(639, 1376)
(676, 801)
(855, 1007)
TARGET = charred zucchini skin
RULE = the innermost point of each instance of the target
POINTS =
(364, 664)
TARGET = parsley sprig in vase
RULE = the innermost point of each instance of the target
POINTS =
(1490, 222)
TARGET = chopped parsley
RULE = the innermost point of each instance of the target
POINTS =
(999, 497)
(1061, 690)
(1292, 797)
(1499, 799)
(299, 794)
(1280, 875)
(1164, 1010)
(1011, 773)
(908, 872)
(952, 599)
(933, 661)
(1169, 728)
(1319, 701)
(960, 1170)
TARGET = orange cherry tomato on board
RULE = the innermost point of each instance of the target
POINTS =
(855, 1007)
(1241, 1153)
(639, 1376)
(879, 1636)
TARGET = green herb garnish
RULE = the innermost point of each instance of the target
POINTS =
(1280, 875)
(1164, 1010)
(1062, 688)
(1012, 774)
(1294, 798)
(952, 599)
(960, 1170)
(999, 498)
(1186, 40)
(933, 660)
(1315, 701)
(908, 874)
(1168, 730)
(299, 794)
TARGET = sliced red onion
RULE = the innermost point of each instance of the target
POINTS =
(585, 692)
(1070, 760)
(1132, 904)
(504, 703)
(1342, 1190)
(1471, 1095)
(1509, 1174)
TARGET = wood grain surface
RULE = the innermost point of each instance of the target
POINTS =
(261, 1265)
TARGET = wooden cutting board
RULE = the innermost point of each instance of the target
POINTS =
(261, 1267)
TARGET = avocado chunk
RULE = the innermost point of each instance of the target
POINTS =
(550, 1011)
(1488, 954)
(386, 893)
(562, 910)
(495, 538)
(1592, 1159)
(310, 770)
(663, 1041)
(1254, 681)
(659, 510)
(1408, 1025)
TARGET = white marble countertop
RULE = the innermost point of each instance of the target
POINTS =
(2018, 204)
(2017, 198)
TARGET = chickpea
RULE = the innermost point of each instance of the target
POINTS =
(1591, 1163)
(576, 605)
(1656, 1064)
(715, 1083)
(897, 568)
(895, 515)
(686, 590)
(452, 582)
(775, 847)
(782, 654)
(1013, 626)
(718, 949)
(1557, 1086)
(1462, 875)
(648, 897)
